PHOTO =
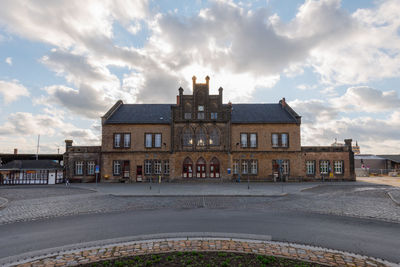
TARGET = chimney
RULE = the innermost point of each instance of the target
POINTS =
(177, 100)
(283, 102)
(15, 151)
(220, 91)
(194, 81)
(347, 142)
(68, 143)
(207, 80)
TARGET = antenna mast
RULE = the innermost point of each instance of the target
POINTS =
(37, 149)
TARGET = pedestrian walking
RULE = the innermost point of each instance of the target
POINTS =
(66, 182)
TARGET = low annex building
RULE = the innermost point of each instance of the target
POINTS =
(200, 137)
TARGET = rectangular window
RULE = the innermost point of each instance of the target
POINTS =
(324, 166)
(275, 138)
(201, 108)
(284, 139)
(254, 166)
(157, 140)
(235, 167)
(188, 116)
(127, 140)
(200, 115)
(117, 140)
(243, 140)
(166, 167)
(157, 166)
(147, 167)
(285, 167)
(310, 165)
(79, 167)
(338, 167)
(90, 167)
(214, 115)
(116, 167)
(149, 140)
(253, 140)
(245, 167)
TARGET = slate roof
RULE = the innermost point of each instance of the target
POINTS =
(260, 113)
(395, 158)
(161, 114)
(142, 113)
(31, 165)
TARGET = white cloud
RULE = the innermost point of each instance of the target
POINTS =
(22, 129)
(9, 61)
(12, 90)
(367, 99)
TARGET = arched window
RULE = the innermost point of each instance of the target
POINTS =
(214, 137)
(201, 138)
(187, 137)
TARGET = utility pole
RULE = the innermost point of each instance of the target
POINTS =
(37, 149)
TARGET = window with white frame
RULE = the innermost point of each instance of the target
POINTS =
(149, 140)
(338, 167)
(200, 115)
(245, 167)
(324, 166)
(310, 165)
(253, 165)
(253, 140)
(127, 140)
(284, 138)
(90, 167)
(285, 167)
(157, 140)
(275, 140)
(116, 167)
(243, 140)
(235, 167)
(79, 167)
(166, 167)
(147, 167)
(188, 115)
(117, 140)
(157, 166)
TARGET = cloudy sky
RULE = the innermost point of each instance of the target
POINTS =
(64, 63)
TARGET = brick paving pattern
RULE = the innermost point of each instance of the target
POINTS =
(357, 201)
(306, 253)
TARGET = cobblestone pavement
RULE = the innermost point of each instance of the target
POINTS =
(38, 191)
(306, 253)
(346, 200)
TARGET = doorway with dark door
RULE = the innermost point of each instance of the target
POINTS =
(139, 173)
(201, 168)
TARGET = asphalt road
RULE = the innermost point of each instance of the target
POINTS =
(362, 236)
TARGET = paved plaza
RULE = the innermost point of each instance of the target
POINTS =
(354, 199)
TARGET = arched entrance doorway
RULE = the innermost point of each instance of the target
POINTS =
(187, 170)
(214, 168)
(201, 168)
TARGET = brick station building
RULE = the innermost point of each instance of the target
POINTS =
(200, 137)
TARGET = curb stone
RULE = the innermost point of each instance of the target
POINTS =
(203, 195)
(163, 243)
(3, 202)
(393, 199)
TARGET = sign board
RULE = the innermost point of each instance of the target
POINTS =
(97, 169)
(229, 170)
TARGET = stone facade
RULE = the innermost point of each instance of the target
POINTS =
(199, 137)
